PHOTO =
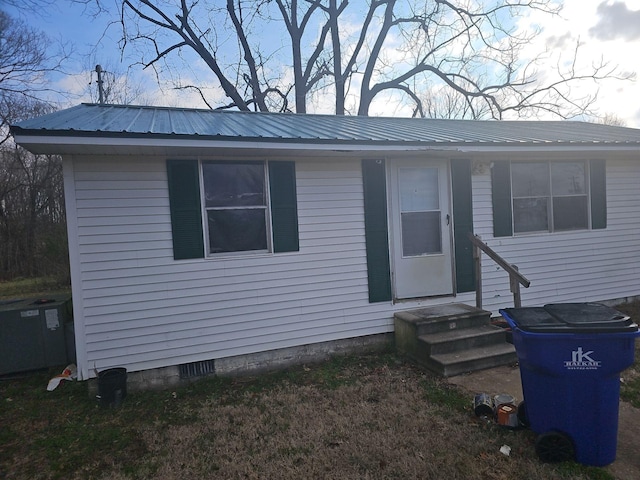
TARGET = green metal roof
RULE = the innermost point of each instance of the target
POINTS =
(144, 122)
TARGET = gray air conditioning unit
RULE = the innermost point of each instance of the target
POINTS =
(36, 333)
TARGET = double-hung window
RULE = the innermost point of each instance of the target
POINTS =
(549, 196)
(235, 202)
(222, 207)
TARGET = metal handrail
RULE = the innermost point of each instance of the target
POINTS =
(515, 277)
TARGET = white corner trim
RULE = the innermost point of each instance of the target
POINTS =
(74, 265)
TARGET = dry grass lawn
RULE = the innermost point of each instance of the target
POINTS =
(366, 417)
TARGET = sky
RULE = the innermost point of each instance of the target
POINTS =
(607, 30)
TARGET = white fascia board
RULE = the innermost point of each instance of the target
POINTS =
(71, 144)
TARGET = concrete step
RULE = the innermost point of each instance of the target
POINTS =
(442, 318)
(452, 339)
(479, 358)
(457, 340)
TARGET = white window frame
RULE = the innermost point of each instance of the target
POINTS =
(266, 208)
(551, 228)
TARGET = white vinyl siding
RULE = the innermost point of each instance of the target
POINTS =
(136, 307)
(142, 309)
(568, 266)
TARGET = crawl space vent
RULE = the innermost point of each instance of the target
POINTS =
(197, 369)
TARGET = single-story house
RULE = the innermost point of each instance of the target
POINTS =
(239, 238)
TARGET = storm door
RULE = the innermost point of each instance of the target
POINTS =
(421, 229)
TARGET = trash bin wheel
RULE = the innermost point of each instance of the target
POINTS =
(554, 447)
(522, 415)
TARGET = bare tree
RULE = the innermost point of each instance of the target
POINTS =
(442, 102)
(25, 63)
(32, 217)
(32, 220)
(118, 87)
(611, 119)
(268, 55)
(29, 5)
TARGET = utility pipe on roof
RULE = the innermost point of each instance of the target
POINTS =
(100, 88)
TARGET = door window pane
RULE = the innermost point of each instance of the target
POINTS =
(421, 233)
(418, 189)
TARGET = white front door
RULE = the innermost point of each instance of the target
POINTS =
(421, 229)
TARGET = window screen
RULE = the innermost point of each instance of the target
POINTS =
(236, 206)
(549, 196)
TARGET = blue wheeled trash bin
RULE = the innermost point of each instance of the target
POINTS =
(571, 356)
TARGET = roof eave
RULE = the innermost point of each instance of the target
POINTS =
(60, 144)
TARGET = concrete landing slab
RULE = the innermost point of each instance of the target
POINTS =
(438, 312)
(506, 379)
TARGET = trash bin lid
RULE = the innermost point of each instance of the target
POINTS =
(571, 318)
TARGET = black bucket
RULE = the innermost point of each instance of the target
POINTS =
(483, 405)
(112, 387)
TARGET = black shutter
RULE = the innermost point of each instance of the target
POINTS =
(501, 199)
(598, 184)
(463, 224)
(186, 211)
(376, 230)
(284, 208)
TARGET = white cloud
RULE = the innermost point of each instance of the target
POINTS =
(582, 22)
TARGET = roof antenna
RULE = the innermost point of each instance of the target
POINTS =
(100, 88)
